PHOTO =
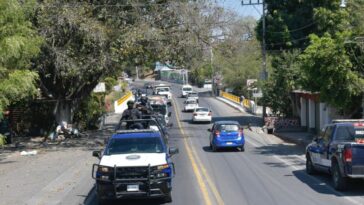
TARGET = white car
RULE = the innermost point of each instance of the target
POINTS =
(201, 114)
(186, 89)
(190, 105)
(193, 95)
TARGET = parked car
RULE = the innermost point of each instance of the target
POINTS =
(226, 134)
(338, 150)
(202, 114)
(190, 105)
(134, 164)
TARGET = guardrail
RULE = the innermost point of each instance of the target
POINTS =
(120, 104)
(124, 98)
(230, 97)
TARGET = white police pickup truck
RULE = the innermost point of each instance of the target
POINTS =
(135, 164)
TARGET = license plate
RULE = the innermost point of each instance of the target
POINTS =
(229, 143)
(134, 187)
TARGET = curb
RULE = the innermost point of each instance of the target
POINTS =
(231, 104)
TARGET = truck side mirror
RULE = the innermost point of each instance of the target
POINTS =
(96, 154)
(173, 150)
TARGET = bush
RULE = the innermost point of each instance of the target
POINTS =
(2, 140)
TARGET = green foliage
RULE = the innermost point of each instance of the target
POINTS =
(89, 112)
(110, 82)
(283, 80)
(2, 140)
(19, 43)
(327, 69)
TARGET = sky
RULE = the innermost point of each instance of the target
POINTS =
(246, 10)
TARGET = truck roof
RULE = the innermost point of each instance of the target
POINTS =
(121, 134)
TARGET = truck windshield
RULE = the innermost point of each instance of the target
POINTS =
(162, 109)
(349, 133)
(187, 89)
(134, 145)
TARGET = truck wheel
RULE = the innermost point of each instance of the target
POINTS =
(310, 169)
(168, 198)
(340, 182)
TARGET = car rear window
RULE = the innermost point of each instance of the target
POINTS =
(349, 133)
(202, 110)
(228, 128)
(186, 89)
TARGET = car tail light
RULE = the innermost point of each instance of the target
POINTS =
(359, 124)
(348, 155)
(241, 133)
(209, 113)
(217, 133)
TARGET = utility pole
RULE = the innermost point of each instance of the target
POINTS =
(212, 72)
(264, 73)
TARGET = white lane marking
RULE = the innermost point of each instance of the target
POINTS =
(296, 168)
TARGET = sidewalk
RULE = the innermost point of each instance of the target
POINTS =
(299, 138)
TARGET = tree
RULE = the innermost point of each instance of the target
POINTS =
(19, 43)
(74, 57)
(283, 80)
(327, 69)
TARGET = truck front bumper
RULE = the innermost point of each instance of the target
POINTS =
(118, 190)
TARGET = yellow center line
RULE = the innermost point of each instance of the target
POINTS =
(193, 156)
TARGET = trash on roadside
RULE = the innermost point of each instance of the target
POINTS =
(29, 153)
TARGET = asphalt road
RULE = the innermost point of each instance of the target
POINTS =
(270, 171)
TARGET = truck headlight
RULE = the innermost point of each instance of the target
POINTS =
(103, 169)
(161, 167)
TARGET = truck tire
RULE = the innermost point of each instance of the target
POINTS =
(168, 198)
(310, 169)
(340, 182)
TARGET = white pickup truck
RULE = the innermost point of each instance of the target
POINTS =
(134, 164)
(165, 90)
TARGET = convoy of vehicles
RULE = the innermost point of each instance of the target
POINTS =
(226, 134)
(136, 161)
(202, 114)
(339, 150)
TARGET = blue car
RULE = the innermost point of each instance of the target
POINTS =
(226, 134)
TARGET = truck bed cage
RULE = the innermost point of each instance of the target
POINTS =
(347, 120)
(135, 131)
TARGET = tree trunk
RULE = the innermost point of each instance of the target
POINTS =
(63, 111)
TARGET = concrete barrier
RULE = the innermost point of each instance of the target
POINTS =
(121, 104)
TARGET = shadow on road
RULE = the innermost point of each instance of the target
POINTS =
(208, 149)
(322, 184)
(281, 149)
